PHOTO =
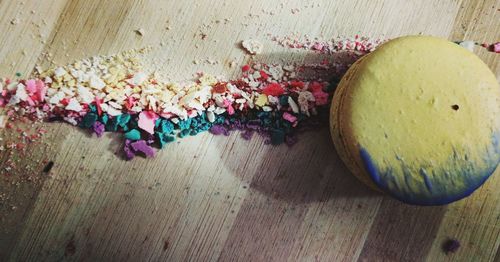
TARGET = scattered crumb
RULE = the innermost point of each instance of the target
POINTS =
(139, 31)
(48, 167)
(70, 247)
(252, 46)
(3, 121)
(469, 45)
(451, 245)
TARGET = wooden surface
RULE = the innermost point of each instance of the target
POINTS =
(222, 198)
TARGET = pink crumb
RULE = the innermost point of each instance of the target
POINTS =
(98, 103)
(320, 96)
(289, 117)
(495, 47)
(31, 86)
(147, 121)
(41, 90)
(318, 46)
(230, 110)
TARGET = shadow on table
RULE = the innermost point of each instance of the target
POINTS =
(310, 170)
(285, 181)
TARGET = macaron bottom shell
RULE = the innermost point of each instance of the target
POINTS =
(337, 132)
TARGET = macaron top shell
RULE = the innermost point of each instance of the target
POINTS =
(420, 115)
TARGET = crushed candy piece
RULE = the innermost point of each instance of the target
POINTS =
(74, 105)
(167, 126)
(143, 147)
(451, 246)
(164, 139)
(88, 120)
(210, 116)
(59, 72)
(113, 93)
(252, 46)
(219, 130)
(133, 135)
(21, 92)
(273, 89)
(277, 136)
(320, 96)
(98, 128)
(293, 105)
(139, 31)
(138, 79)
(261, 100)
(469, 45)
(495, 47)
(289, 117)
(127, 149)
(3, 121)
(147, 121)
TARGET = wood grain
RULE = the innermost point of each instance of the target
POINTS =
(213, 198)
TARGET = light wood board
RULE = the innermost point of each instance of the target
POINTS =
(223, 198)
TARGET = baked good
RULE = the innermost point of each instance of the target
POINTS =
(418, 118)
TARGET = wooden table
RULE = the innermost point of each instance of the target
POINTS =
(223, 198)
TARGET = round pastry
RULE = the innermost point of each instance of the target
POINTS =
(419, 119)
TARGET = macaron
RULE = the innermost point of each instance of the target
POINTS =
(419, 119)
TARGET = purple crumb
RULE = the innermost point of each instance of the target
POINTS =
(253, 124)
(451, 246)
(290, 140)
(150, 139)
(142, 146)
(237, 125)
(247, 135)
(219, 130)
(98, 128)
(129, 154)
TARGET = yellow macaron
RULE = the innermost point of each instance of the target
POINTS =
(418, 118)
